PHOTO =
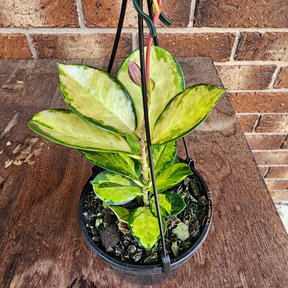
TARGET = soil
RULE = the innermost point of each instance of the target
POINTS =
(105, 230)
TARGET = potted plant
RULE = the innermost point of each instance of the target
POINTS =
(105, 123)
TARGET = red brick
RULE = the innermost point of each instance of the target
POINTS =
(282, 79)
(215, 45)
(276, 184)
(279, 195)
(75, 46)
(263, 46)
(246, 77)
(277, 172)
(244, 13)
(271, 158)
(247, 122)
(105, 14)
(14, 46)
(35, 13)
(273, 123)
(265, 142)
(259, 102)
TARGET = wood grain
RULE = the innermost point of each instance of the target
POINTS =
(41, 244)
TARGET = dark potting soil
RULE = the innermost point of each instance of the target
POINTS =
(104, 228)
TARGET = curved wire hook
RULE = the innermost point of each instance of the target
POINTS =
(165, 20)
(147, 19)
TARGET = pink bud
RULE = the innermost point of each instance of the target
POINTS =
(134, 73)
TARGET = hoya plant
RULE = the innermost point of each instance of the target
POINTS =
(105, 124)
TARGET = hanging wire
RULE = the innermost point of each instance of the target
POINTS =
(118, 34)
(188, 160)
(166, 266)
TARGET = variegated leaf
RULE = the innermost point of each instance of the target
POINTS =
(163, 156)
(66, 128)
(98, 98)
(170, 204)
(172, 176)
(145, 227)
(185, 112)
(115, 162)
(134, 144)
(121, 213)
(115, 189)
(168, 78)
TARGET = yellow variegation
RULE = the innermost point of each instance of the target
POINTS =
(144, 226)
(105, 123)
(115, 189)
(98, 98)
(185, 112)
(115, 162)
(163, 156)
(65, 127)
(167, 76)
(121, 213)
(170, 204)
(172, 176)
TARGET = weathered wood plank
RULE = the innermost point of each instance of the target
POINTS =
(40, 240)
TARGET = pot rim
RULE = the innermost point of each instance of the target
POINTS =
(175, 263)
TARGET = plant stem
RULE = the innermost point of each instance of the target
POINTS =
(157, 11)
(144, 164)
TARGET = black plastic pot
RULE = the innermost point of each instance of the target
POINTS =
(145, 275)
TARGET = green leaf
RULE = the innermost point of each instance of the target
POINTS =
(170, 204)
(66, 128)
(121, 213)
(176, 160)
(134, 144)
(98, 98)
(185, 112)
(114, 188)
(168, 78)
(163, 156)
(115, 162)
(172, 176)
(144, 227)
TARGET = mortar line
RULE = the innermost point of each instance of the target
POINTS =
(80, 13)
(252, 63)
(274, 77)
(256, 113)
(264, 134)
(260, 91)
(192, 13)
(235, 46)
(274, 165)
(270, 151)
(134, 41)
(189, 30)
(277, 179)
(31, 46)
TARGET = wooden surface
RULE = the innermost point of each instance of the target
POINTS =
(41, 244)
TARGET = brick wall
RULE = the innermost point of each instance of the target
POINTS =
(248, 41)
